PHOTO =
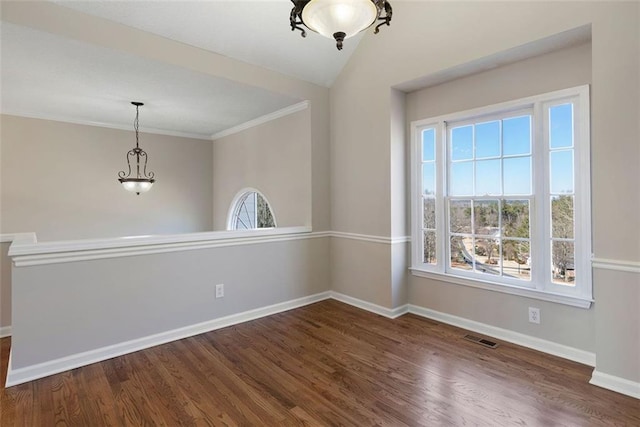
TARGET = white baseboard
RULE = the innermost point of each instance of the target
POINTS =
(560, 350)
(617, 384)
(391, 313)
(5, 331)
(29, 373)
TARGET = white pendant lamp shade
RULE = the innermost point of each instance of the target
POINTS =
(137, 186)
(329, 17)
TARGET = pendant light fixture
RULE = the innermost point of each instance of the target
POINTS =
(339, 19)
(141, 181)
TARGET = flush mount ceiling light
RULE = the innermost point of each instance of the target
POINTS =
(142, 181)
(339, 19)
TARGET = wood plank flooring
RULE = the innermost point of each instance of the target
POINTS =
(326, 364)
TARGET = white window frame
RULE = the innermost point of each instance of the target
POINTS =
(540, 286)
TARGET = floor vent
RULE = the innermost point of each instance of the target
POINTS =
(481, 341)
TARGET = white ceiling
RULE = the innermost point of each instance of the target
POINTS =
(50, 76)
(257, 32)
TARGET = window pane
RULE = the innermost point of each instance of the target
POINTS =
(488, 177)
(460, 257)
(487, 252)
(562, 217)
(429, 178)
(245, 212)
(488, 139)
(429, 256)
(562, 172)
(516, 136)
(264, 215)
(460, 216)
(515, 259)
(462, 143)
(461, 179)
(517, 176)
(563, 270)
(486, 217)
(429, 213)
(428, 145)
(515, 218)
(561, 126)
(252, 211)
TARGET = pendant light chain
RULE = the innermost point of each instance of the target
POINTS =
(136, 124)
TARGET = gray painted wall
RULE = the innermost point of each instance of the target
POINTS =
(558, 70)
(60, 181)
(429, 38)
(361, 166)
(5, 286)
(64, 309)
(274, 158)
(85, 212)
(561, 69)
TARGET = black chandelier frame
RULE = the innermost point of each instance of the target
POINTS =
(139, 154)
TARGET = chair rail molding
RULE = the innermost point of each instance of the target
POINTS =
(26, 251)
(616, 264)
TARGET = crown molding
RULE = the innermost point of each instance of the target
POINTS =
(75, 121)
(262, 119)
(230, 131)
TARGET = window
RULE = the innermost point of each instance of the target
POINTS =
(250, 210)
(501, 197)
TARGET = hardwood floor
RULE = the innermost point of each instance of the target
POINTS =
(324, 364)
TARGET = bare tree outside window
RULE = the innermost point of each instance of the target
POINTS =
(265, 217)
(562, 250)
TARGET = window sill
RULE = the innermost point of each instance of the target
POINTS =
(506, 289)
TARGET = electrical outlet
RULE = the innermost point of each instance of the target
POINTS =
(219, 290)
(534, 315)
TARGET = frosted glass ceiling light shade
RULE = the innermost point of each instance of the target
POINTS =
(142, 180)
(329, 17)
(339, 19)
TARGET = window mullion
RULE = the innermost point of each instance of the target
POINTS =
(582, 191)
(541, 223)
(442, 226)
(416, 183)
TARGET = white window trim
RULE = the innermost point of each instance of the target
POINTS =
(541, 288)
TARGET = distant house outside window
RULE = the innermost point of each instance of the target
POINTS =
(501, 197)
(250, 210)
